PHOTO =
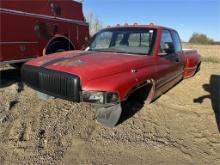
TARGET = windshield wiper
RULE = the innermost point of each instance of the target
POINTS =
(104, 50)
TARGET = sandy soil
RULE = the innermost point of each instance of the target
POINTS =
(181, 127)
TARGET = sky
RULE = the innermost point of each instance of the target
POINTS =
(186, 16)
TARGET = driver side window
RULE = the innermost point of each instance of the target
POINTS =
(165, 38)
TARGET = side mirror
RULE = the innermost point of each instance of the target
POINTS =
(168, 47)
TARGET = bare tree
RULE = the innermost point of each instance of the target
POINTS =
(94, 23)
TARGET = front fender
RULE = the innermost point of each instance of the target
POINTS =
(124, 84)
(120, 83)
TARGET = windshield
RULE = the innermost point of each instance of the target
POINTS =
(124, 40)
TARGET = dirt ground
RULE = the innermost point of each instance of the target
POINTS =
(181, 127)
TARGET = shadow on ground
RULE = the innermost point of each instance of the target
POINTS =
(9, 77)
(214, 94)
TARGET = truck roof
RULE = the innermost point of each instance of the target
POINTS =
(135, 25)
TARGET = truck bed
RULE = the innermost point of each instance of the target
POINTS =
(192, 62)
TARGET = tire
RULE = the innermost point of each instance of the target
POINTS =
(58, 46)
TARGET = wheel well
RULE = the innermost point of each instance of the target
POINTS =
(198, 67)
(63, 40)
(141, 93)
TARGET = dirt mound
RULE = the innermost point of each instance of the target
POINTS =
(181, 126)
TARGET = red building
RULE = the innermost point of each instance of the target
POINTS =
(31, 29)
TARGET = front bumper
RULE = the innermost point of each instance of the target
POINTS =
(54, 83)
(67, 86)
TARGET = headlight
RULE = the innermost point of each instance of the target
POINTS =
(99, 97)
(93, 97)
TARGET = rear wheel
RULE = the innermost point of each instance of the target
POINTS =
(59, 46)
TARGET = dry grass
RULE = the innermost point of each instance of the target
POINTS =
(209, 53)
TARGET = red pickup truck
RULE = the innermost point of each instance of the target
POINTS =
(117, 62)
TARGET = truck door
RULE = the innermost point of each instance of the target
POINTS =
(178, 50)
(169, 70)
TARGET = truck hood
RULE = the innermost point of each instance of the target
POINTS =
(90, 65)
